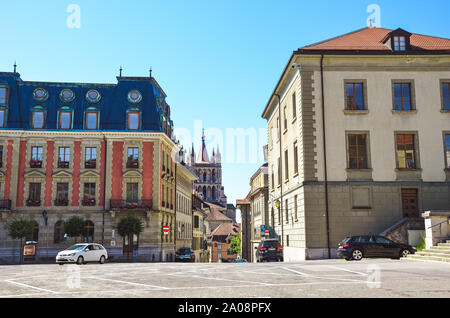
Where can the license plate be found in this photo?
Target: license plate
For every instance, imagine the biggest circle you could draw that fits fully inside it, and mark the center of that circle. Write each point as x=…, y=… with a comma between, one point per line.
x=271, y=249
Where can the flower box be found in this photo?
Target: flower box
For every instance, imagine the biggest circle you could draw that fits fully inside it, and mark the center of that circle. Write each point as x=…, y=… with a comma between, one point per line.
x=62, y=202
x=88, y=202
x=35, y=163
x=90, y=164
x=34, y=202
x=132, y=164
x=63, y=164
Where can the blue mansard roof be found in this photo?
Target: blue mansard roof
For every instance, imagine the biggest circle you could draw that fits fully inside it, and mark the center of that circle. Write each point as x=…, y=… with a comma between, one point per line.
x=112, y=107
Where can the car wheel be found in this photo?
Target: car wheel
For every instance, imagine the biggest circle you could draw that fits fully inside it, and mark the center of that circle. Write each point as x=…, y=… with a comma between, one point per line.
x=357, y=255
x=404, y=253
x=80, y=260
x=102, y=260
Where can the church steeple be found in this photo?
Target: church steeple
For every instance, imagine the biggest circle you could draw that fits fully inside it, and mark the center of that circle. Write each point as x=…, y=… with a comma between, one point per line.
x=203, y=154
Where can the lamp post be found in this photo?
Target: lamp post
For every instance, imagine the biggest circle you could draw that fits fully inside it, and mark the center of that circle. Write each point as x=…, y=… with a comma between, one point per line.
x=278, y=205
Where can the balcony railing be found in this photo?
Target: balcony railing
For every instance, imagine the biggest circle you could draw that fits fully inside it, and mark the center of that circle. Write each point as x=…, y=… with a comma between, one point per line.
x=124, y=204
x=88, y=202
x=34, y=202
x=62, y=202
x=35, y=163
x=1, y=164
x=5, y=204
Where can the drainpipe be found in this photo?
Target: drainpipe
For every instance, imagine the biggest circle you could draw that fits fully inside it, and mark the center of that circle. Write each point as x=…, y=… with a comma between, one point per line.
x=325, y=157
x=280, y=170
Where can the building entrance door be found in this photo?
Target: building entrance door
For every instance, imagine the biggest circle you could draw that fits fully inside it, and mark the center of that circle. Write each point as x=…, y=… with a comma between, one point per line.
x=130, y=242
x=410, y=203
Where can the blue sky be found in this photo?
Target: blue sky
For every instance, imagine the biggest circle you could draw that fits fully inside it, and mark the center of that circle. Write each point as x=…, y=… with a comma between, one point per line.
x=218, y=61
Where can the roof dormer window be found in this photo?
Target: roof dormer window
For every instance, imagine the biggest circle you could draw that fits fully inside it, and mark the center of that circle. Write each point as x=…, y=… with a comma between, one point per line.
x=399, y=43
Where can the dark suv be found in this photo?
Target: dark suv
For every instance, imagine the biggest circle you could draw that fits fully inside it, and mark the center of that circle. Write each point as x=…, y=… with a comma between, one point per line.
x=269, y=250
x=184, y=255
x=372, y=246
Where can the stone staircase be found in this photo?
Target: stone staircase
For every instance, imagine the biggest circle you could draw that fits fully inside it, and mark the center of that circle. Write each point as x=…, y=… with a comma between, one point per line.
x=440, y=253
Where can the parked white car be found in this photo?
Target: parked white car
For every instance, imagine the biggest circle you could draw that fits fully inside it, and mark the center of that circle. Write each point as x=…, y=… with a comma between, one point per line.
x=82, y=253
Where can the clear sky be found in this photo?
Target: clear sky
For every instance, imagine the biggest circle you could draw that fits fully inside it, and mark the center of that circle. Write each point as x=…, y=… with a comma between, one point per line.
x=218, y=61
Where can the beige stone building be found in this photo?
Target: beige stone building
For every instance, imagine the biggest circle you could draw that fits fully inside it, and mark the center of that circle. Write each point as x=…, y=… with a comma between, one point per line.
x=184, y=213
x=359, y=138
x=199, y=235
x=259, y=197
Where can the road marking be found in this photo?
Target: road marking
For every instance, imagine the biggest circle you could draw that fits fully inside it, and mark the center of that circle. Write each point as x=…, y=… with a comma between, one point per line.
x=230, y=280
x=32, y=287
x=297, y=272
x=347, y=270
x=129, y=283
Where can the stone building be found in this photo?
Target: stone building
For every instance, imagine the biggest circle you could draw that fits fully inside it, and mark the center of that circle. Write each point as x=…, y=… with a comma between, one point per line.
x=99, y=151
x=184, y=212
x=359, y=138
x=220, y=240
x=209, y=171
x=199, y=233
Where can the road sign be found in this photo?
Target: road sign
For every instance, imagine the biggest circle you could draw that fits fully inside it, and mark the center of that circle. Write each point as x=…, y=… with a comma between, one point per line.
x=166, y=229
x=263, y=228
x=266, y=231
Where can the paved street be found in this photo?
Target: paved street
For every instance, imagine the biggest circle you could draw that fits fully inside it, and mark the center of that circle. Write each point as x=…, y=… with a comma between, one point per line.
x=324, y=278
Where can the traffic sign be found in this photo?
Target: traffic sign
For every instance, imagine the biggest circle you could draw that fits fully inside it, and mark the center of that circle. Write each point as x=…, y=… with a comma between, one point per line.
x=263, y=228
x=166, y=229
x=266, y=231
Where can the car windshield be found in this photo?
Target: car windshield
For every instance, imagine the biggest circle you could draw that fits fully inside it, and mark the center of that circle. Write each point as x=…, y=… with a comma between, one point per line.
x=184, y=251
x=270, y=243
x=76, y=247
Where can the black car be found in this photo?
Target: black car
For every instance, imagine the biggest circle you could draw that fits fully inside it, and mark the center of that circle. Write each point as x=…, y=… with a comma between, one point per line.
x=269, y=250
x=184, y=255
x=372, y=246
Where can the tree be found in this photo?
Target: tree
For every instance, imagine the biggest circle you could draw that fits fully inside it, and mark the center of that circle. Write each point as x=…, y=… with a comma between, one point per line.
x=129, y=226
x=19, y=228
x=235, y=244
x=74, y=226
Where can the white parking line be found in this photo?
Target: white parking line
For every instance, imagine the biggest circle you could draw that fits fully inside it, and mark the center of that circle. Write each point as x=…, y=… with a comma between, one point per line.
x=347, y=270
x=32, y=287
x=297, y=272
x=129, y=283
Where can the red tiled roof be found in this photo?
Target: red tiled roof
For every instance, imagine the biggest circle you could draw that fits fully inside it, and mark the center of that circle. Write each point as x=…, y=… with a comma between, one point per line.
x=226, y=229
x=216, y=215
x=371, y=39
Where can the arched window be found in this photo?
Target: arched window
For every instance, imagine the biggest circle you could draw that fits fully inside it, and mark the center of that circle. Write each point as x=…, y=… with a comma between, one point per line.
x=65, y=115
x=204, y=192
x=88, y=232
x=91, y=118
x=213, y=176
x=213, y=193
x=38, y=115
x=59, y=236
x=204, y=176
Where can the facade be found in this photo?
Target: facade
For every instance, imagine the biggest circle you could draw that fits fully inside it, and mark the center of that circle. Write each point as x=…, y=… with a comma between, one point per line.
x=359, y=138
x=220, y=242
x=99, y=151
x=199, y=235
x=244, y=206
x=184, y=215
x=209, y=171
x=259, y=196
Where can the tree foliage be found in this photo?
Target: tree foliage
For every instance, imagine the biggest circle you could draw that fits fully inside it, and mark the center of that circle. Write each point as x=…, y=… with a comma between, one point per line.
x=129, y=225
x=74, y=226
x=19, y=228
x=235, y=244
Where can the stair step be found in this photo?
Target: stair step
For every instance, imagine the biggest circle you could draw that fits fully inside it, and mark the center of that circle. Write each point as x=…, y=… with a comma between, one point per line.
x=440, y=247
x=431, y=253
x=444, y=244
x=437, y=250
x=429, y=258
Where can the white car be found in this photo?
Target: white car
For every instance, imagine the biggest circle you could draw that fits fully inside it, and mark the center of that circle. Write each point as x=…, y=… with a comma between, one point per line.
x=82, y=253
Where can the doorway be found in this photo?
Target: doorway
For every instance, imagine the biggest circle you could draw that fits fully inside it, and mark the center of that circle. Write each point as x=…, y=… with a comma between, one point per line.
x=410, y=203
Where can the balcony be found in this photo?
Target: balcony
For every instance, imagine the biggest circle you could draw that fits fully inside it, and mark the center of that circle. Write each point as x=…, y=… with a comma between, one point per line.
x=61, y=202
x=129, y=205
x=88, y=202
x=63, y=164
x=34, y=202
x=90, y=164
x=5, y=204
x=133, y=164
x=35, y=163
